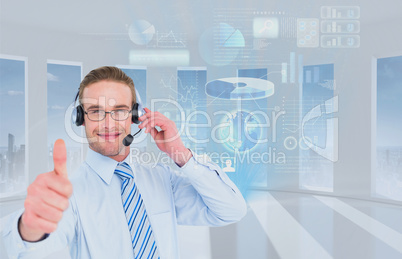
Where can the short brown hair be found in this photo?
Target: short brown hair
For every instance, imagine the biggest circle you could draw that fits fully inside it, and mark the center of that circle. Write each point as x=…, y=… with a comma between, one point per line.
x=107, y=73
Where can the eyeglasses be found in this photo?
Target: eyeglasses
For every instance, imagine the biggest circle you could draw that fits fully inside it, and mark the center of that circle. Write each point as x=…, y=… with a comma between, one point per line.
x=117, y=115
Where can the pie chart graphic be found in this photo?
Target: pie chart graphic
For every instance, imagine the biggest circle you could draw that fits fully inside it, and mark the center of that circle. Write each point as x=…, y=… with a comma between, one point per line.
x=221, y=44
x=240, y=88
x=141, y=32
x=230, y=37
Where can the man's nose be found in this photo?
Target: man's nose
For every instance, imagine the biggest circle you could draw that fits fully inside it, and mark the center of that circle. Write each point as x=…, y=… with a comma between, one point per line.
x=109, y=120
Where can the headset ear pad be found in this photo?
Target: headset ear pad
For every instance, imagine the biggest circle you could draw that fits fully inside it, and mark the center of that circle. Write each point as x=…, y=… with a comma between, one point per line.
x=134, y=114
x=79, y=119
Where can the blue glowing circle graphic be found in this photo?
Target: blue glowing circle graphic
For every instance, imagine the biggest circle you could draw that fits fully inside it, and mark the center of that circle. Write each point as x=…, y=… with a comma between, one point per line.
x=290, y=143
x=241, y=130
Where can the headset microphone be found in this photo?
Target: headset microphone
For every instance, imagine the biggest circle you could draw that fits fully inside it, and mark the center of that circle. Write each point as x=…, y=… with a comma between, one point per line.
x=129, y=139
x=137, y=112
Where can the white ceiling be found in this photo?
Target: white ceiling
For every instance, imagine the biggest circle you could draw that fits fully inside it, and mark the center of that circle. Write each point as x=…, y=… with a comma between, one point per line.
x=80, y=16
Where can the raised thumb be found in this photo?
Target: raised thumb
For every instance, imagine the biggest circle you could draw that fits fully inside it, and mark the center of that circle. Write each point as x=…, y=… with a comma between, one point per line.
x=60, y=157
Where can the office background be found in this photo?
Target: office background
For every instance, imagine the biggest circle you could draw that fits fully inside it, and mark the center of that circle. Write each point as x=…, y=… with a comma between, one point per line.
x=300, y=102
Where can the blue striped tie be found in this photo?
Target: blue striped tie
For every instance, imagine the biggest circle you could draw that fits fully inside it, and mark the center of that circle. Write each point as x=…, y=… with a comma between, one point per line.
x=143, y=240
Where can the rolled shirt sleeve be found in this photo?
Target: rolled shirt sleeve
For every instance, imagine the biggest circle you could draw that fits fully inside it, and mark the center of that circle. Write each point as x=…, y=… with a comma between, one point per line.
x=18, y=248
x=204, y=194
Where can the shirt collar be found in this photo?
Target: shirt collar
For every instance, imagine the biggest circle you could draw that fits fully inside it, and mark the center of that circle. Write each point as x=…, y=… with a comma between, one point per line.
x=102, y=165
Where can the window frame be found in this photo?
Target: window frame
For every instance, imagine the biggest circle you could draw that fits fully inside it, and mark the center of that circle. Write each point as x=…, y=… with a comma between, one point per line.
x=373, y=125
x=21, y=194
x=67, y=63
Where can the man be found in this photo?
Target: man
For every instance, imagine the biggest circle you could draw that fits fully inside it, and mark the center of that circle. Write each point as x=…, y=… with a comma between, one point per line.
x=110, y=208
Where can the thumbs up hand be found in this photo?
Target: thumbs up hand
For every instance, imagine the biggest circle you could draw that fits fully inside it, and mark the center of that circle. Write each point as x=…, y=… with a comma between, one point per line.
x=60, y=158
x=47, y=198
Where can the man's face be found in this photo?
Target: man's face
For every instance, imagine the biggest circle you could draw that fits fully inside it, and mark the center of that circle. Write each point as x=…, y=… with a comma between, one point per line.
x=106, y=136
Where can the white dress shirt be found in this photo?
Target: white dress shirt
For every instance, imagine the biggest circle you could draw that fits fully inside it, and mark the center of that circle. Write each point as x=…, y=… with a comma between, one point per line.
x=95, y=225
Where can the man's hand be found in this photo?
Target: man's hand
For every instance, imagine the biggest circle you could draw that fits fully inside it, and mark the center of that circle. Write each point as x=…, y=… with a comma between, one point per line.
x=47, y=198
x=168, y=139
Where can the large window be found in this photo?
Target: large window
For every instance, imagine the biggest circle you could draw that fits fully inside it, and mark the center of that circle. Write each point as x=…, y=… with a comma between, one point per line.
x=388, y=176
x=318, y=128
x=13, y=83
x=63, y=81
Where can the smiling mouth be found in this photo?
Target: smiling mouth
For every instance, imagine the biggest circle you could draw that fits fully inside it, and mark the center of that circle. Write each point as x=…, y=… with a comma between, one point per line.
x=109, y=136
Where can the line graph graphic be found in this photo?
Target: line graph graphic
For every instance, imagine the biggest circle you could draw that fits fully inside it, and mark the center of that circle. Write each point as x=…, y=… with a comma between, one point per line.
x=192, y=97
x=183, y=93
x=171, y=40
x=169, y=84
x=191, y=88
x=189, y=93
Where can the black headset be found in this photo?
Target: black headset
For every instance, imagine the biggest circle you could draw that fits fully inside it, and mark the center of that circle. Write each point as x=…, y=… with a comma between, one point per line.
x=78, y=112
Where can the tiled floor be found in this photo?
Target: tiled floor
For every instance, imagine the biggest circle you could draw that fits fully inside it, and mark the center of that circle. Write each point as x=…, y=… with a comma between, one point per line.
x=292, y=225
x=312, y=226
